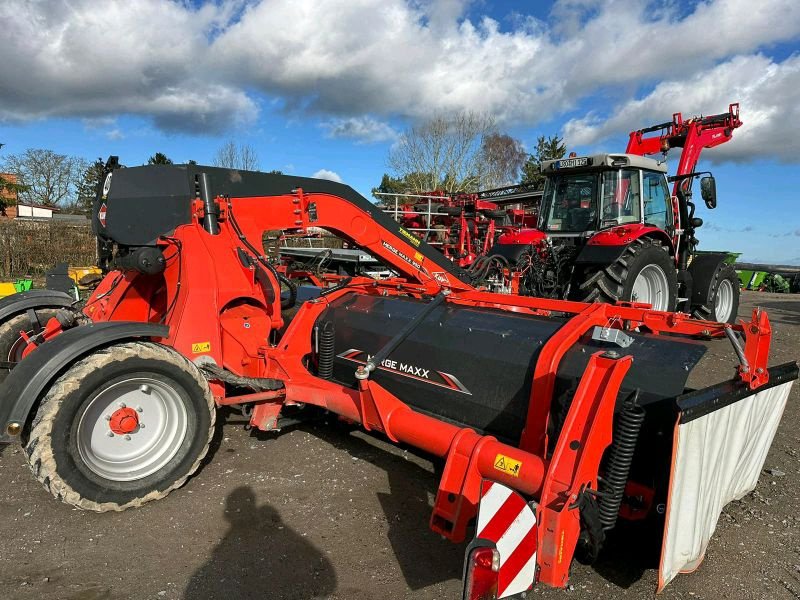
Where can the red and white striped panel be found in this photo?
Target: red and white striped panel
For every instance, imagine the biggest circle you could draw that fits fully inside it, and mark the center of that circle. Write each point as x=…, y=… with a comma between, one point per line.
x=507, y=520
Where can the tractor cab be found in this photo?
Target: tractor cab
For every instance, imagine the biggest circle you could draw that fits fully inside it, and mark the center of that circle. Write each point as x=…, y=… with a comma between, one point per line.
x=587, y=194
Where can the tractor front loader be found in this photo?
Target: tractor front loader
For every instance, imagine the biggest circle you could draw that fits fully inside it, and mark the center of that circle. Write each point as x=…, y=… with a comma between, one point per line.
x=554, y=418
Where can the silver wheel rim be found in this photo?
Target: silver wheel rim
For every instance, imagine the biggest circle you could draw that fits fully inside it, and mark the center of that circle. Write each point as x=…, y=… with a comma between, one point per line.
x=723, y=302
x=651, y=286
x=160, y=430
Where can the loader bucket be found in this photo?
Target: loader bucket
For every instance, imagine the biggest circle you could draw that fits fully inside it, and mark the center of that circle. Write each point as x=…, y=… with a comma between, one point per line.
x=721, y=439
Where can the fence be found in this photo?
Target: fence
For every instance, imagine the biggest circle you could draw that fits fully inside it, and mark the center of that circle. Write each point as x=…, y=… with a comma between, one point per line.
x=33, y=247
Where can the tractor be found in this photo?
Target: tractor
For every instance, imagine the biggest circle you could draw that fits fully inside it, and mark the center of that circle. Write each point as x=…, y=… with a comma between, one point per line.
x=609, y=229
x=552, y=419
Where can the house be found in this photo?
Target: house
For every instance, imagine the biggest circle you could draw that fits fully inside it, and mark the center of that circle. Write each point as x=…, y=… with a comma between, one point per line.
x=8, y=212
x=33, y=212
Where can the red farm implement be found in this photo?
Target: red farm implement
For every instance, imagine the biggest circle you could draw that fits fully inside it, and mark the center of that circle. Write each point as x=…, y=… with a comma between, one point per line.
x=554, y=418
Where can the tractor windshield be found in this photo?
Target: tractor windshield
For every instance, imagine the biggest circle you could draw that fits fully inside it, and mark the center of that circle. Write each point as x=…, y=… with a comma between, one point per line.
x=578, y=202
x=569, y=204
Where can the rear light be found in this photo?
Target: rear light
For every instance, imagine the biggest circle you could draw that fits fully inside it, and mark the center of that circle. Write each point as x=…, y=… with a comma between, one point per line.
x=481, y=581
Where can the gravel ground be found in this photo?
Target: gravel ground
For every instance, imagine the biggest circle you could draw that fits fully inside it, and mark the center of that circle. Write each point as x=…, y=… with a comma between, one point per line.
x=319, y=512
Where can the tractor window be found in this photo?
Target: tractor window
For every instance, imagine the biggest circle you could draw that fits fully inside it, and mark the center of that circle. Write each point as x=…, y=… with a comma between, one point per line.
x=657, y=201
x=569, y=204
x=620, y=197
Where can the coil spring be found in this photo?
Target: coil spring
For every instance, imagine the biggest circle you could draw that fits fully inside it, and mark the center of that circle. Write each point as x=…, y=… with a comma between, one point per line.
x=626, y=433
x=326, y=350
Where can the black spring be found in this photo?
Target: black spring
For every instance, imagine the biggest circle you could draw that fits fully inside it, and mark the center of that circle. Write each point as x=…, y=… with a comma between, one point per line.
x=326, y=350
x=626, y=432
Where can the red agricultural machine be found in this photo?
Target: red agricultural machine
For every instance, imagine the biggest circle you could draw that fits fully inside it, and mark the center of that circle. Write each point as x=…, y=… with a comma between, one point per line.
x=465, y=226
x=554, y=418
x=609, y=229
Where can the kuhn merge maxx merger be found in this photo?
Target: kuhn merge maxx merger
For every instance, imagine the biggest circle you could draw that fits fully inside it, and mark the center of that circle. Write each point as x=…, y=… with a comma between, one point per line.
x=554, y=418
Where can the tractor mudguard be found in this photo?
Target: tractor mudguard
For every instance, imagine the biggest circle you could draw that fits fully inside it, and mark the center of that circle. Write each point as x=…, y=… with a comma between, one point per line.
x=702, y=269
x=17, y=303
x=31, y=377
x=721, y=439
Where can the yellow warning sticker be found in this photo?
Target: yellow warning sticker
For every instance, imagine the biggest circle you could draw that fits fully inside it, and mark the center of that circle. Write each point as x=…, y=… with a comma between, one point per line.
x=199, y=347
x=419, y=257
x=507, y=465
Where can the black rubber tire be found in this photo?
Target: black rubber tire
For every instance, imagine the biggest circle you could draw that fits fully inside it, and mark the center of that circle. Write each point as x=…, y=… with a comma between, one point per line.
x=11, y=343
x=52, y=451
x=495, y=214
x=615, y=281
x=707, y=310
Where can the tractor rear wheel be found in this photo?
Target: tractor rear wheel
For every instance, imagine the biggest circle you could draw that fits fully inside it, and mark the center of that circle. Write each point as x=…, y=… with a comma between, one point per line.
x=126, y=425
x=12, y=344
x=643, y=273
x=721, y=295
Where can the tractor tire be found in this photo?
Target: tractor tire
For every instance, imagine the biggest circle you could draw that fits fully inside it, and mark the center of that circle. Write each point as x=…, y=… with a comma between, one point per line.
x=88, y=446
x=644, y=273
x=11, y=342
x=721, y=296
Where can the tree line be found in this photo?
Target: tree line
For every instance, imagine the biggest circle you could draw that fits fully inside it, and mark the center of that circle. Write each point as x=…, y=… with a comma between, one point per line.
x=461, y=154
x=47, y=178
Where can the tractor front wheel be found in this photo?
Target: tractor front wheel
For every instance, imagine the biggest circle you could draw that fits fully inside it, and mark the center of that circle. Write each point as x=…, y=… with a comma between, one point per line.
x=126, y=425
x=721, y=296
x=643, y=273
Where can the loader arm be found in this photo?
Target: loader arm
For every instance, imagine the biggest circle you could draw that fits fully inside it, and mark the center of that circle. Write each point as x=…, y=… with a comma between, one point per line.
x=693, y=135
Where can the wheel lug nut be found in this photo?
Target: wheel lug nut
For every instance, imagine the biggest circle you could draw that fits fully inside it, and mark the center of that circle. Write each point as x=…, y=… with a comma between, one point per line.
x=110, y=434
x=139, y=409
x=141, y=425
x=108, y=417
x=121, y=405
x=127, y=437
x=145, y=389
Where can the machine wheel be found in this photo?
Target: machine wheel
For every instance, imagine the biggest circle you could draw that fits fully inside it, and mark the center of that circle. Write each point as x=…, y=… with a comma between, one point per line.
x=11, y=342
x=722, y=296
x=126, y=425
x=644, y=273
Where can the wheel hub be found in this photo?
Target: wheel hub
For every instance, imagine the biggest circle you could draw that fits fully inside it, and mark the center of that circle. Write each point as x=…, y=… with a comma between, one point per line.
x=124, y=420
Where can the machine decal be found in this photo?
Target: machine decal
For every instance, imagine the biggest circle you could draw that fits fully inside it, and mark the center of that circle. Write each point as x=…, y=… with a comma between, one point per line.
x=199, y=347
x=508, y=465
x=399, y=254
x=101, y=214
x=440, y=276
x=415, y=241
x=507, y=521
x=437, y=378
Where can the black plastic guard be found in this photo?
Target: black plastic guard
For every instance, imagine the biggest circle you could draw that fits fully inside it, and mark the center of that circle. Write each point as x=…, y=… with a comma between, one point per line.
x=30, y=378
x=694, y=405
x=18, y=303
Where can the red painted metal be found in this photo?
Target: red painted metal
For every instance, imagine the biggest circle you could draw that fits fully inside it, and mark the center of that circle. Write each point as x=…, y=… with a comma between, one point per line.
x=585, y=435
x=123, y=420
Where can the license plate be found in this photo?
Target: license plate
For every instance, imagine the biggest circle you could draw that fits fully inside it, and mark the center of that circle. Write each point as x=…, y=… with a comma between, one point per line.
x=569, y=163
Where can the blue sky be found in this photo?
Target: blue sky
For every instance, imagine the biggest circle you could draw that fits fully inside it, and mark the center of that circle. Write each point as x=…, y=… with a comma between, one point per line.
x=325, y=85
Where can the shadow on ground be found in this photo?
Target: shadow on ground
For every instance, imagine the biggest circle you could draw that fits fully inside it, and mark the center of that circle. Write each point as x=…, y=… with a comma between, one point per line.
x=260, y=557
x=424, y=558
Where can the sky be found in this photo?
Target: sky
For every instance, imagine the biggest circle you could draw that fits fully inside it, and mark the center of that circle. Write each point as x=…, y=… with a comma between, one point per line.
x=324, y=87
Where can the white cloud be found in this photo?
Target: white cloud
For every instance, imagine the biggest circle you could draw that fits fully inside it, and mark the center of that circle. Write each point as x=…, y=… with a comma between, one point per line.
x=769, y=94
x=363, y=129
x=329, y=175
x=356, y=63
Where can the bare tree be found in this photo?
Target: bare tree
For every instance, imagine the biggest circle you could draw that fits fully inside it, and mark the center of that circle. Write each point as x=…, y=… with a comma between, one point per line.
x=443, y=153
x=502, y=157
x=48, y=178
x=233, y=156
